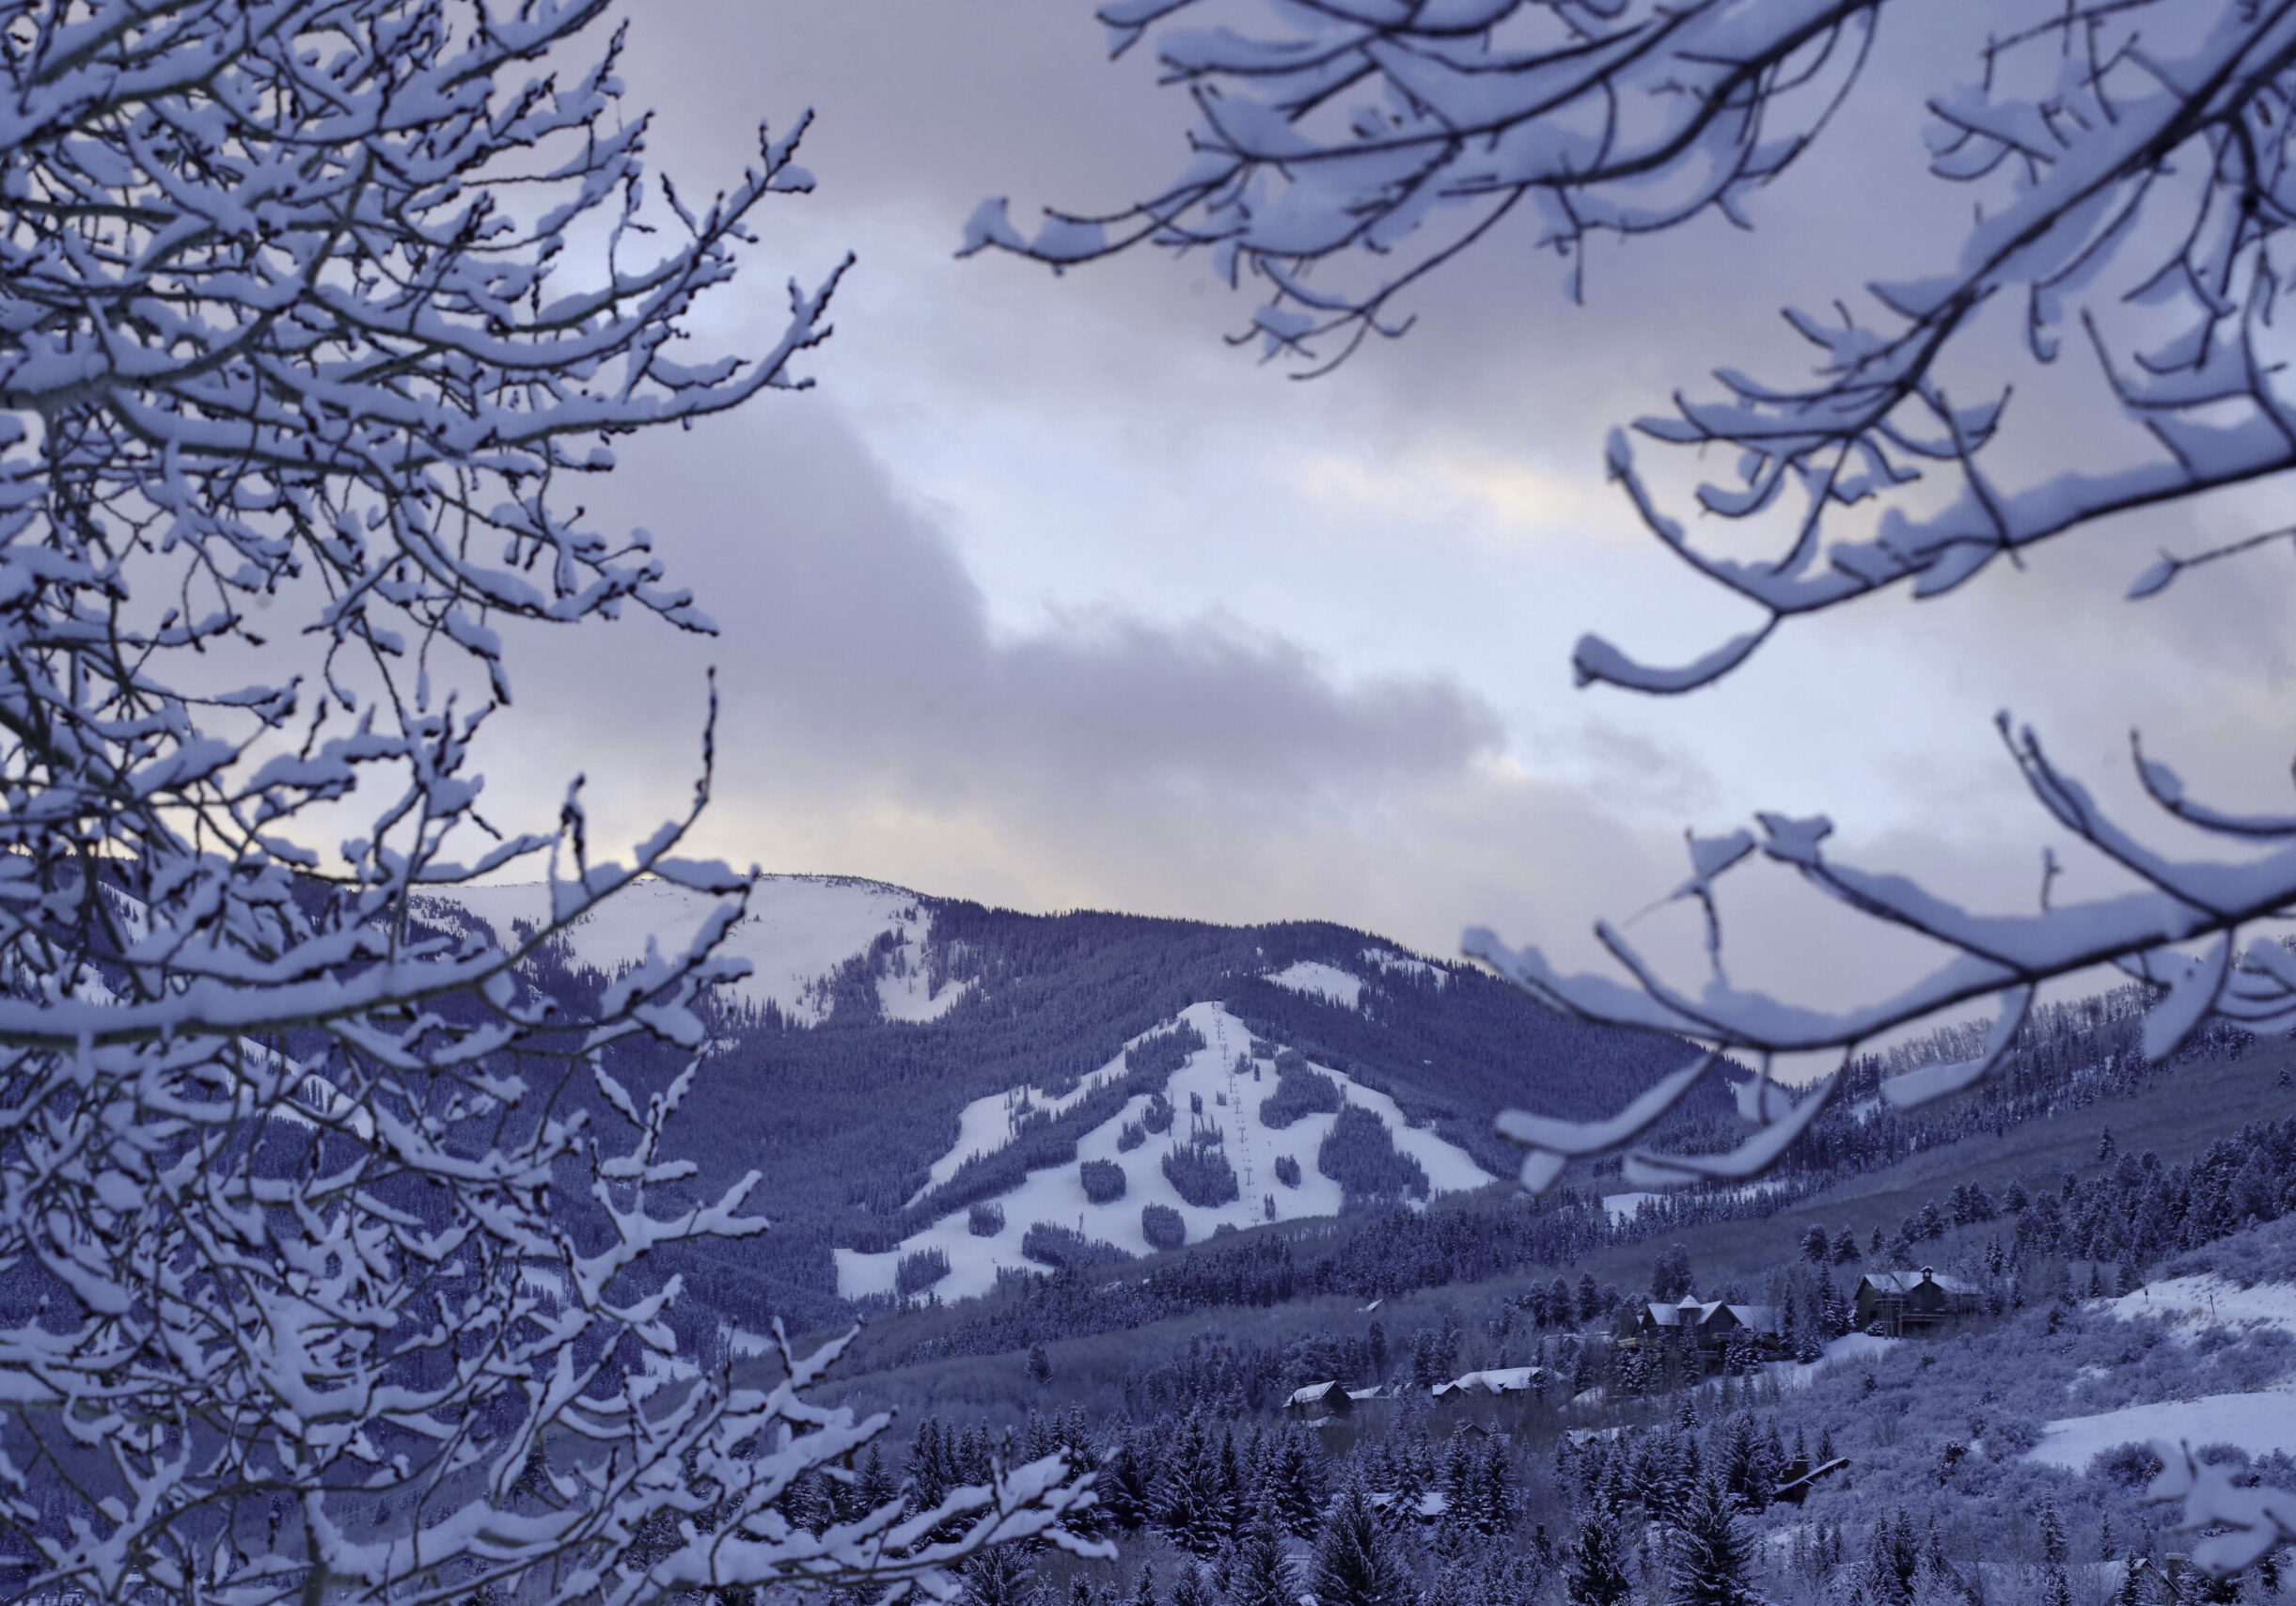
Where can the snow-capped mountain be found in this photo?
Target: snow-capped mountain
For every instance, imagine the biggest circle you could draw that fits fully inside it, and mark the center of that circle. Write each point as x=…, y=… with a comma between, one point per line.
x=895, y=1060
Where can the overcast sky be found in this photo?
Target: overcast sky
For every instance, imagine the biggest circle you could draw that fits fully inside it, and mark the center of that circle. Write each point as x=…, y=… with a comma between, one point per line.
x=1045, y=596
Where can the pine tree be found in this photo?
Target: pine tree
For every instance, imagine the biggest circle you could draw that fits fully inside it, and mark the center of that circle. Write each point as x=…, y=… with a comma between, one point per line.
x=1188, y=1492
x=1263, y=1574
x=926, y=1471
x=1496, y=1511
x=876, y=1486
x=1230, y=1513
x=996, y=1578
x=1190, y=1590
x=1355, y=1562
x=1144, y=1592
x=2053, y=1532
x=1737, y=1463
x=1462, y=1490
x=1711, y=1555
x=1891, y=1561
x=1125, y=1487
x=1596, y=1570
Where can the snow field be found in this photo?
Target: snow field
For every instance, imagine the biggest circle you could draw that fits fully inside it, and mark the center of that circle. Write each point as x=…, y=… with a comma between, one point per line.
x=798, y=931
x=1317, y=980
x=2257, y=1422
x=1057, y=1195
x=2188, y=1304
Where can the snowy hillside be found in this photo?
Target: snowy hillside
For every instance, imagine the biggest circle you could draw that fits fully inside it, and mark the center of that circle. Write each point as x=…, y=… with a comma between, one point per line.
x=1056, y=1196
x=2210, y=1312
x=799, y=931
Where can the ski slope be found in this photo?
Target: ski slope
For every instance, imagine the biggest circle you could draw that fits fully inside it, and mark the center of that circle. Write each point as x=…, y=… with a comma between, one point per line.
x=1317, y=979
x=1056, y=1195
x=798, y=932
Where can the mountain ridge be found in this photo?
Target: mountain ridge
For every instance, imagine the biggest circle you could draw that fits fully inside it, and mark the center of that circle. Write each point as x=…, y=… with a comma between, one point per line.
x=876, y=1014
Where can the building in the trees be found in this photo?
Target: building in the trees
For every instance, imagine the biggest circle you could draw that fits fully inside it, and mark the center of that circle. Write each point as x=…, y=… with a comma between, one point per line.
x=1708, y=1327
x=1503, y=1380
x=1320, y=1400
x=1913, y=1301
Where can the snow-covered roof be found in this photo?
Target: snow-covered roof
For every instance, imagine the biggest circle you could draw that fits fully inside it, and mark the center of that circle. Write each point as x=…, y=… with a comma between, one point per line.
x=1690, y=1312
x=1906, y=1282
x=1312, y=1394
x=1499, y=1381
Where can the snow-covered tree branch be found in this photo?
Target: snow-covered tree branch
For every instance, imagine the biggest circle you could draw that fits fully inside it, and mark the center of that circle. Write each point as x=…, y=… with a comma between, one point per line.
x=311, y=1287
x=2127, y=167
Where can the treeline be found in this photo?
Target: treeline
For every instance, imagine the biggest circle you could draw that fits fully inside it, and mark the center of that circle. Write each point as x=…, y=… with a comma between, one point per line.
x=1377, y=1259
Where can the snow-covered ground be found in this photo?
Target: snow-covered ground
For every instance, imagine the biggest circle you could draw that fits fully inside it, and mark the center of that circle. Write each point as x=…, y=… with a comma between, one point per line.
x=2188, y=1304
x=798, y=931
x=1318, y=980
x=1057, y=1195
x=1850, y=1347
x=2257, y=1422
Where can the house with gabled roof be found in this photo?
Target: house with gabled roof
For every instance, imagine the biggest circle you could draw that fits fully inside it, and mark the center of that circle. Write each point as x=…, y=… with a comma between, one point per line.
x=1905, y=1302
x=1706, y=1325
x=1318, y=1400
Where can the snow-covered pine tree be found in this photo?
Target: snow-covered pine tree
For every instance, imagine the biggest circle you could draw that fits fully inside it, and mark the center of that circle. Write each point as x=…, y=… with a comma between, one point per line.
x=1127, y=1487
x=1500, y=1507
x=1893, y=1555
x=1190, y=1589
x=1229, y=1511
x=998, y=1578
x=1355, y=1562
x=309, y=312
x=1298, y=1487
x=1187, y=1495
x=1263, y=1572
x=1595, y=1570
x=1712, y=1556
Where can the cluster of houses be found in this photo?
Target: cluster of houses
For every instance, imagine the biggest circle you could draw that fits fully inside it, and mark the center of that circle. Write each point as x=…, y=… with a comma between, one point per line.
x=1894, y=1304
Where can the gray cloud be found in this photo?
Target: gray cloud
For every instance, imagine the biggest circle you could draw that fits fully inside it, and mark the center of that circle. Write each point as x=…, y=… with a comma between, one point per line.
x=869, y=708
x=1110, y=665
